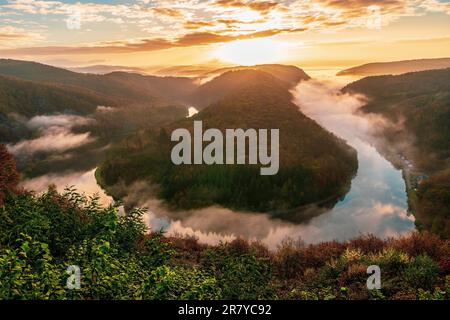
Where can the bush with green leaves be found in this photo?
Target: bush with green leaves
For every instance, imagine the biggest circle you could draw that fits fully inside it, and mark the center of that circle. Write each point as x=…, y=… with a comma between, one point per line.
x=29, y=272
x=118, y=258
x=239, y=275
x=173, y=283
x=422, y=272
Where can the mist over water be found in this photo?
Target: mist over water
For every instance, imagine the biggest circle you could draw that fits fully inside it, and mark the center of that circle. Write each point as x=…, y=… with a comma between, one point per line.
x=54, y=134
x=376, y=202
x=84, y=182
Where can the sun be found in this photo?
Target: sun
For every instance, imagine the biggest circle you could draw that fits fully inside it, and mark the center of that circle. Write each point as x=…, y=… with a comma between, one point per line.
x=250, y=52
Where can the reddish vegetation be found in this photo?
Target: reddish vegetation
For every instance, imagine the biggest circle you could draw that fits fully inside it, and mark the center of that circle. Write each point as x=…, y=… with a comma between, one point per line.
x=9, y=177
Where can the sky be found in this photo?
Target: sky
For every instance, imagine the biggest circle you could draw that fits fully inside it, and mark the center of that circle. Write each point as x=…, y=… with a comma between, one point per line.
x=146, y=33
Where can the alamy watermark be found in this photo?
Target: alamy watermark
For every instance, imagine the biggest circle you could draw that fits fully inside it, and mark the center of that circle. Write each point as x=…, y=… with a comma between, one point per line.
x=235, y=140
x=374, y=281
x=74, y=279
x=374, y=17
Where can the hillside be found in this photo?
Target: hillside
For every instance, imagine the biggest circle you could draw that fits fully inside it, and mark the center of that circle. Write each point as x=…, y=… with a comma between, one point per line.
x=285, y=73
x=419, y=106
x=396, y=67
x=314, y=164
x=9, y=177
x=420, y=101
x=21, y=99
x=231, y=80
x=125, y=87
x=105, y=119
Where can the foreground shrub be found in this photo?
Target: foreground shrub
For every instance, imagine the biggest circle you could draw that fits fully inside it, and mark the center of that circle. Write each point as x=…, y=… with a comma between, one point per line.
x=104, y=273
x=422, y=272
x=390, y=260
x=171, y=283
x=29, y=272
x=240, y=276
x=41, y=236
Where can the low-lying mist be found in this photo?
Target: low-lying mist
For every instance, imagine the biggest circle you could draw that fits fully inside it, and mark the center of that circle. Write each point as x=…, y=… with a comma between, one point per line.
x=53, y=134
x=84, y=182
x=375, y=204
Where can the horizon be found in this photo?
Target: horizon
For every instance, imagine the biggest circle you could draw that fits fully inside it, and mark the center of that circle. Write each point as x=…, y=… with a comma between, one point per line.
x=218, y=33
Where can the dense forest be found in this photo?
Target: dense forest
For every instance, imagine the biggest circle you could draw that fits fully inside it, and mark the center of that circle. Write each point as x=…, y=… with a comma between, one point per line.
x=118, y=258
x=418, y=105
x=314, y=164
x=232, y=80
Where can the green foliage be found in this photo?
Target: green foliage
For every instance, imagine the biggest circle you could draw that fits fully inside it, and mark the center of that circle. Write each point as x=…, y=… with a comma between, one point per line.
x=239, y=275
x=173, y=283
x=155, y=252
x=29, y=272
x=422, y=272
x=434, y=203
x=105, y=273
x=389, y=259
x=41, y=236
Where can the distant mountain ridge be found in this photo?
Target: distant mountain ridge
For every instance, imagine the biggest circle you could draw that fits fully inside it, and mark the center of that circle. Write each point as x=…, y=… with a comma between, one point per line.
x=121, y=86
x=104, y=69
x=136, y=88
x=285, y=73
x=396, y=67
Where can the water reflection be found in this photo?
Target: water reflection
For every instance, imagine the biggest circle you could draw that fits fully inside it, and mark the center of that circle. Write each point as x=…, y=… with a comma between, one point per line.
x=376, y=203
x=84, y=182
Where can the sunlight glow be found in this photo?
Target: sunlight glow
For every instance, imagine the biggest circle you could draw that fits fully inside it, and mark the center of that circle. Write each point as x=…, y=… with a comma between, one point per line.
x=250, y=52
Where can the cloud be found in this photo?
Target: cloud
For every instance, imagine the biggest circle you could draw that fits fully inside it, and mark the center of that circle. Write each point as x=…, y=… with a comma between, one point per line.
x=144, y=45
x=260, y=6
x=214, y=21
x=169, y=12
x=362, y=214
x=15, y=36
x=51, y=140
x=62, y=120
x=54, y=135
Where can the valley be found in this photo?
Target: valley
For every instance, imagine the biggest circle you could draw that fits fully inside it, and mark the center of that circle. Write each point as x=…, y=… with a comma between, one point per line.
x=182, y=156
x=121, y=139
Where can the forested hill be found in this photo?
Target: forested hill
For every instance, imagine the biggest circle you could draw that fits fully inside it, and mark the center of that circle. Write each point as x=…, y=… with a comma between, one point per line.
x=285, y=73
x=419, y=106
x=133, y=88
x=235, y=79
x=28, y=98
x=420, y=103
x=21, y=100
x=125, y=87
x=314, y=164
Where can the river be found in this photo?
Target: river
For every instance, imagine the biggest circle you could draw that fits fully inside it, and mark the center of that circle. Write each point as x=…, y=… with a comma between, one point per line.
x=376, y=202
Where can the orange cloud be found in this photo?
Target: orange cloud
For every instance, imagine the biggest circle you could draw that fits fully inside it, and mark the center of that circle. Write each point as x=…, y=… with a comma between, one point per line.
x=260, y=6
x=169, y=12
x=187, y=40
x=12, y=35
